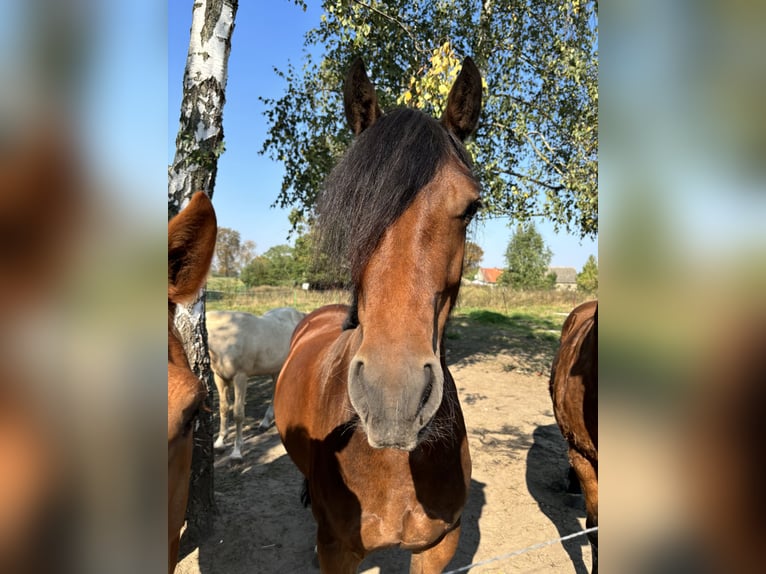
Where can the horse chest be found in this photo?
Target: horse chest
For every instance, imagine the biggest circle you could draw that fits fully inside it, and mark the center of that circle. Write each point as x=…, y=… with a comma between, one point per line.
x=406, y=525
x=390, y=513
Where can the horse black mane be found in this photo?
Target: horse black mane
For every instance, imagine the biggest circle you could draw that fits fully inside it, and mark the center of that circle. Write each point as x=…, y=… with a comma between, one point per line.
x=375, y=182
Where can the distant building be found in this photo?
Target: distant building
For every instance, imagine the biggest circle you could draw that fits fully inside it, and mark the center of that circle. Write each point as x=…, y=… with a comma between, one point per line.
x=487, y=275
x=566, y=278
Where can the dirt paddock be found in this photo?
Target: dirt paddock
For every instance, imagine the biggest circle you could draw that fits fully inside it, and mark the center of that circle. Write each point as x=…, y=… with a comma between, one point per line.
x=518, y=492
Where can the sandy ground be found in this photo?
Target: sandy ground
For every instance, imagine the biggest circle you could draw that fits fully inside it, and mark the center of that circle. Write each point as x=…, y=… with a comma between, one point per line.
x=518, y=489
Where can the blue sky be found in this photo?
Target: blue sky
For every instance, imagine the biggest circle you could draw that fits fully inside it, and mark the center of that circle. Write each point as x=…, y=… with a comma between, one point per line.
x=268, y=34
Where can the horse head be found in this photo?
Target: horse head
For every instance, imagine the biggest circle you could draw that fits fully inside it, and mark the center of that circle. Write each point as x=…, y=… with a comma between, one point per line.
x=413, y=197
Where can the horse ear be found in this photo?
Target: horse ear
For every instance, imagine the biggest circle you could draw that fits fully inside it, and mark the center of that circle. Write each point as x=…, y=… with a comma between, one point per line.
x=461, y=115
x=359, y=99
x=191, y=243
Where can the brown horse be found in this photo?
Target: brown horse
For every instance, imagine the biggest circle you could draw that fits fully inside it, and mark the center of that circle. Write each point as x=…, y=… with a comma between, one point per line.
x=42, y=202
x=365, y=405
x=574, y=390
x=191, y=241
x=723, y=438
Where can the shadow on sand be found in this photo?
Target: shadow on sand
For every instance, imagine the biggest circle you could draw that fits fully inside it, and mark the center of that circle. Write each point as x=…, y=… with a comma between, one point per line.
x=562, y=508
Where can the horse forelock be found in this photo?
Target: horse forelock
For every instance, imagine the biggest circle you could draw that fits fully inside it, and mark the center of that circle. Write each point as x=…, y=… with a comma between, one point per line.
x=377, y=180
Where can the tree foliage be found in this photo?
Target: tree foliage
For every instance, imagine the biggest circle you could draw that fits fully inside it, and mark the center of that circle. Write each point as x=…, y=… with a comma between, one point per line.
x=285, y=265
x=277, y=266
x=536, y=146
x=256, y=272
x=472, y=259
x=587, y=279
x=314, y=266
x=231, y=253
x=528, y=259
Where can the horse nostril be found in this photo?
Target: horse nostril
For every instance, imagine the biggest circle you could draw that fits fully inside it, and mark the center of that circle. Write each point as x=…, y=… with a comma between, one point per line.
x=359, y=370
x=358, y=391
x=429, y=386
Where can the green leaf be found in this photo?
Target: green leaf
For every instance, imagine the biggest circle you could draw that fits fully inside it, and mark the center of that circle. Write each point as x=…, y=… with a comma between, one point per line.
x=536, y=149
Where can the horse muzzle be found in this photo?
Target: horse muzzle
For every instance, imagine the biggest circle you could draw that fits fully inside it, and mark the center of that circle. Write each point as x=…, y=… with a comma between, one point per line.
x=395, y=402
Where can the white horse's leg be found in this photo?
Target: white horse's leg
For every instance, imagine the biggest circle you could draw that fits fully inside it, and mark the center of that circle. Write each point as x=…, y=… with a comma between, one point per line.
x=268, y=418
x=240, y=393
x=223, y=403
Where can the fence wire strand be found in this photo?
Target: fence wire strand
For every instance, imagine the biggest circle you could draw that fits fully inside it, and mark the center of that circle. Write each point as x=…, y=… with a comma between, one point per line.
x=522, y=551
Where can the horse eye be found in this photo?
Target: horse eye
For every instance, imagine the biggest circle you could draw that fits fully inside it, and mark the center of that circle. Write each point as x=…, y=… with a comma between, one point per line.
x=471, y=210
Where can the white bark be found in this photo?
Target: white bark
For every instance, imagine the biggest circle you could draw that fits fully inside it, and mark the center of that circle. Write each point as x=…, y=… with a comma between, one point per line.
x=200, y=135
x=198, y=144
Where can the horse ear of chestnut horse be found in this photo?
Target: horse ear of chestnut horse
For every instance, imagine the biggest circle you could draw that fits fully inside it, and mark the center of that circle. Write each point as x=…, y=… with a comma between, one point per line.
x=191, y=243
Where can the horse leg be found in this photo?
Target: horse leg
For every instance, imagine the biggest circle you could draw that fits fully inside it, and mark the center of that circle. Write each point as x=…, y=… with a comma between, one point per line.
x=335, y=558
x=573, y=482
x=173, y=553
x=435, y=559
x=223, y=408
x=240, y=393
x=268, y=418
x=589, y=483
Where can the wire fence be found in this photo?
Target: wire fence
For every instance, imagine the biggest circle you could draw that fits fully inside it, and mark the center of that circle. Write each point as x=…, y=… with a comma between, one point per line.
x=235, y=296
x=515, y=553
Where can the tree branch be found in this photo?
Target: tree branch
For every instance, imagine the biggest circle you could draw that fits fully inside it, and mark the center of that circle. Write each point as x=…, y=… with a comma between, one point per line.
x=541, y=155
x=533, y=180
x=395, y=21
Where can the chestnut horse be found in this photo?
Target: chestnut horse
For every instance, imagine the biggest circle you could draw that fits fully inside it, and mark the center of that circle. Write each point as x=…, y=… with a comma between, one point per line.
x=574, y=390
x=191, y=241
x=365, y=405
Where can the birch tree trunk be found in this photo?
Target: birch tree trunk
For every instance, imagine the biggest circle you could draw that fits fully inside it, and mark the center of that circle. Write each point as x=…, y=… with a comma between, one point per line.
x=198, y=145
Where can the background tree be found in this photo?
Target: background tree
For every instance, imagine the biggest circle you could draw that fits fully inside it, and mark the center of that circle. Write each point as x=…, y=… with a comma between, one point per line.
x=587, y=279
x=227, y=246
x=537, y=142
x=472, y=259
x=198, y=144
x=528, y=260
x=282, y=267
x=277, y=266
x=246, y=254
x=312, y=266
x=231, y=253
x=256, y=272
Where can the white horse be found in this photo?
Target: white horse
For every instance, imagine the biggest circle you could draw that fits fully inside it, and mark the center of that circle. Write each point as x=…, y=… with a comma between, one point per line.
x=241, y=346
